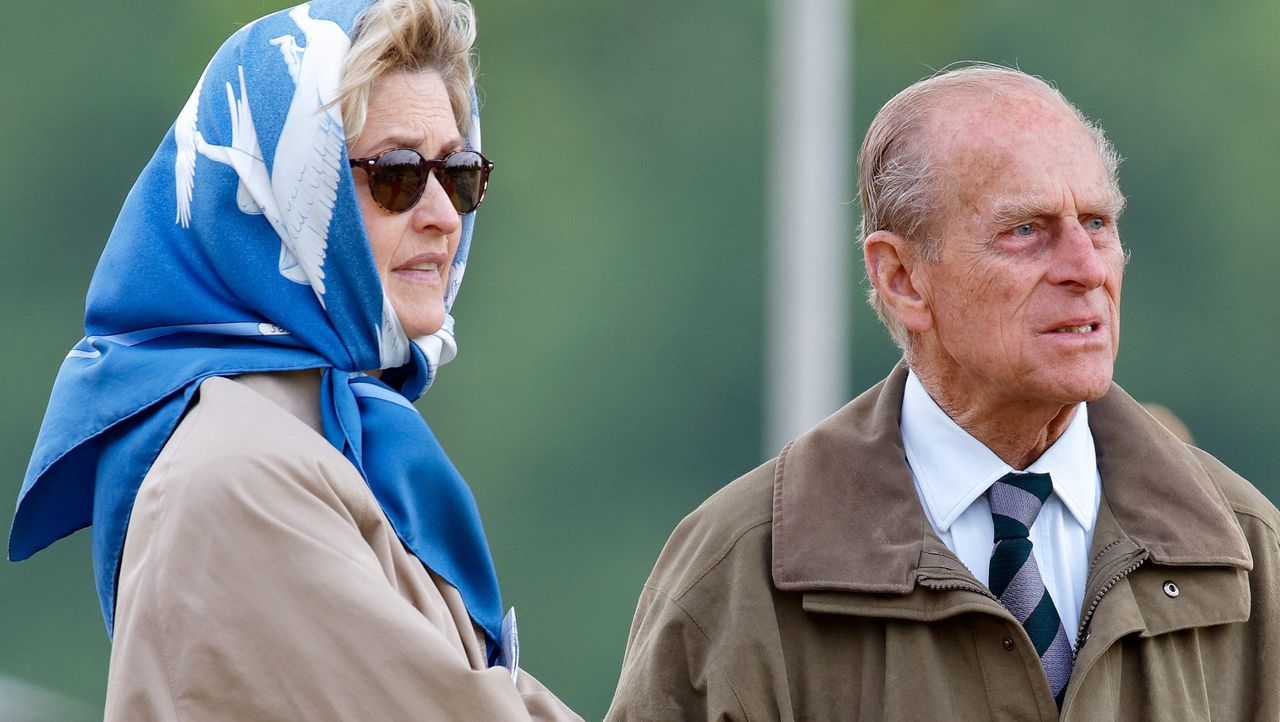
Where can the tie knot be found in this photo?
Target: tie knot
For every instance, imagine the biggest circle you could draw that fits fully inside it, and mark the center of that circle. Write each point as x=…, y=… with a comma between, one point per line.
x=1015, y=501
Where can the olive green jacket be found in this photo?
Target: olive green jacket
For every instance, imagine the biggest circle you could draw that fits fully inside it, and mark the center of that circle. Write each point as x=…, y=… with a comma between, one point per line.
x=813, y=588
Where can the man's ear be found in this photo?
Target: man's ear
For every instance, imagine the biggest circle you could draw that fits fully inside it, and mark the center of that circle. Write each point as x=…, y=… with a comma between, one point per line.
x=890, y=266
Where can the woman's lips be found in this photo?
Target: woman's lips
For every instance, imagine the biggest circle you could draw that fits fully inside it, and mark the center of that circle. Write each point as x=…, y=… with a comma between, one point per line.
x=422, y=269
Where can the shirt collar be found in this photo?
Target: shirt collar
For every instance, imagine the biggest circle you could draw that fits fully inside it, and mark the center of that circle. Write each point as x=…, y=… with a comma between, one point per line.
x=952, y=468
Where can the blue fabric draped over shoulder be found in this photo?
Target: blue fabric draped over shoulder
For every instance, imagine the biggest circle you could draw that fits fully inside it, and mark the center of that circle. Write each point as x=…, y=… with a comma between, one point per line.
x=241, y=249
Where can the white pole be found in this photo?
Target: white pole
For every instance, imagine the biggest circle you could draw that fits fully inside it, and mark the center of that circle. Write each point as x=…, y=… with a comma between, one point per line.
x=810, y=216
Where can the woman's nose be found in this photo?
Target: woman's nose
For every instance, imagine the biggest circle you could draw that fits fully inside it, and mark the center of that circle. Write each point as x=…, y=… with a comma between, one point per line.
x=435, y=209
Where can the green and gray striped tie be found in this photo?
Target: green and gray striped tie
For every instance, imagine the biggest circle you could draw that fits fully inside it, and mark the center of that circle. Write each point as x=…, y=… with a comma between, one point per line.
x=1015, y=578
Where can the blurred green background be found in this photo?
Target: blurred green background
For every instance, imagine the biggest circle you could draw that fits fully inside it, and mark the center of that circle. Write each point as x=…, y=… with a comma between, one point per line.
x=611, y=325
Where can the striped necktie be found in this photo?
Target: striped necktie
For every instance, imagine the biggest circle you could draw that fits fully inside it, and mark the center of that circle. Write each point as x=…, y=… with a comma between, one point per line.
x=1015, y=578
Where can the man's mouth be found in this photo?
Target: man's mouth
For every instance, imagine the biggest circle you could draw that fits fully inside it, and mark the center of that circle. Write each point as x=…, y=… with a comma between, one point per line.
x=1082, y=328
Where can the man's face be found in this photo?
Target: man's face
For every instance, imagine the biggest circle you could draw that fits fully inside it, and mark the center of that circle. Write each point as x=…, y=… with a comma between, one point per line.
x=1025, y=294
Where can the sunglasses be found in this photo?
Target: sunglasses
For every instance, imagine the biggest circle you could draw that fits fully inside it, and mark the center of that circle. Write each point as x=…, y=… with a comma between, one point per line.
x=398, y=177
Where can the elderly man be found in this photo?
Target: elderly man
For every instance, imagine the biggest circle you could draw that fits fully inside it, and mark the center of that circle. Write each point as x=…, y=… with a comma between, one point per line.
x=995, y=531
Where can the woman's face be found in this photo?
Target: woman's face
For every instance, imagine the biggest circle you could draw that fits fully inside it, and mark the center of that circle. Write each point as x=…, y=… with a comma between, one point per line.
x=412, y=250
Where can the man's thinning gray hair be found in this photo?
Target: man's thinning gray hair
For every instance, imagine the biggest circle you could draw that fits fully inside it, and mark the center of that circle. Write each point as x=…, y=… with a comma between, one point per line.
x=899, y=184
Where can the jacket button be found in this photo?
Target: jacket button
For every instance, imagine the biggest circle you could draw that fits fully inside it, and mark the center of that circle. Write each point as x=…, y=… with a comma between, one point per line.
x=1171, y=590
x=1007, y=643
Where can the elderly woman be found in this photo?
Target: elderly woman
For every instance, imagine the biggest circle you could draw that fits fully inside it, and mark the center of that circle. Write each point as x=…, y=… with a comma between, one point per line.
x=276, y=532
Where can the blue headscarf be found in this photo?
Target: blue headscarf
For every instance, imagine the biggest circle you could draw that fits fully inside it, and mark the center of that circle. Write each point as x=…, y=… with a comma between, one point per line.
x=241, y=249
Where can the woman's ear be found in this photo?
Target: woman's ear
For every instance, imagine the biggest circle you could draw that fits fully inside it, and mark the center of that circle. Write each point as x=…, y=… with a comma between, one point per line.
x=892, y=270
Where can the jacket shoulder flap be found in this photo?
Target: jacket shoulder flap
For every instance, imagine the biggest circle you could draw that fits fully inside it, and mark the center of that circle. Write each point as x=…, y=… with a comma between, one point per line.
x=733, y=522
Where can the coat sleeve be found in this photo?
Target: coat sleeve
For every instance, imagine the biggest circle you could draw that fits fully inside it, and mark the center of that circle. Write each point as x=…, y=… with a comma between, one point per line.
x=669, y=671
x=251, y=588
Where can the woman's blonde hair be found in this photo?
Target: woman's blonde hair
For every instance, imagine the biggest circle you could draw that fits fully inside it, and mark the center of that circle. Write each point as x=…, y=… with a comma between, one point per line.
x=391, y=36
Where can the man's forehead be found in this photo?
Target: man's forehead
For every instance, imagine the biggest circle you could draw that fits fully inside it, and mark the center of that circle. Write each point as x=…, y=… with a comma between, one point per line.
x=981, y=122
x=1016, y=149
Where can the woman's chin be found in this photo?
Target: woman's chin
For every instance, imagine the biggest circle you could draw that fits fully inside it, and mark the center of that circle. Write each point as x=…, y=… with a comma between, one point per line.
x=422, y=324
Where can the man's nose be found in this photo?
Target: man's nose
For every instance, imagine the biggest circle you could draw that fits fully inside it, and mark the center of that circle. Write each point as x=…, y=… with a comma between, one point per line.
x=1078, y=260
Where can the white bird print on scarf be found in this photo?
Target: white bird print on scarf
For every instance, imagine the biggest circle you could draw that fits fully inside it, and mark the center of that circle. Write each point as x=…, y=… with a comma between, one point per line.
x=298, y=196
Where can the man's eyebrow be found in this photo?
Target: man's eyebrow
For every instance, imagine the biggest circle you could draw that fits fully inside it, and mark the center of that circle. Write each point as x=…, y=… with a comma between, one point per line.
x=1018, y=208
x=1026, y=207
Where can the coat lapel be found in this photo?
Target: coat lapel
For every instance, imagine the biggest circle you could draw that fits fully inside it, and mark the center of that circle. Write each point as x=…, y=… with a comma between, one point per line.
x=845, y=512
x=1162, y=497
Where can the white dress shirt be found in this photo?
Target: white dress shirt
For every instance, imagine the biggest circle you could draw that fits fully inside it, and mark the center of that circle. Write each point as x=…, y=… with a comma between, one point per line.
x=953, y=470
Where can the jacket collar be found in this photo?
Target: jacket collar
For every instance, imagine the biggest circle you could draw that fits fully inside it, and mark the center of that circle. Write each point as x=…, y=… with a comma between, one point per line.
x=846, y=516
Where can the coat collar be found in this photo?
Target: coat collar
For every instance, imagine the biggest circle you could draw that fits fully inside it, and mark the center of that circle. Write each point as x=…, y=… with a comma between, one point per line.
x=846, y=516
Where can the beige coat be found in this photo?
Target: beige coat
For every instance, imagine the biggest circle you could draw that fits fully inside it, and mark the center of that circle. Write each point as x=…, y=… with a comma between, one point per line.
x=261, y=581
x=813, y=588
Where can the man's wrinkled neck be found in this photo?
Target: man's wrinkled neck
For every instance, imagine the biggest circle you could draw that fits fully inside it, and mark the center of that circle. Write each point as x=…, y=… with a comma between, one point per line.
x=1018, y=431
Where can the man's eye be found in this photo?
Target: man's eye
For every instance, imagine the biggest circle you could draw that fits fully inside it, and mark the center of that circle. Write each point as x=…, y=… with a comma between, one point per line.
x=1026, y=229
x=1094, y=224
